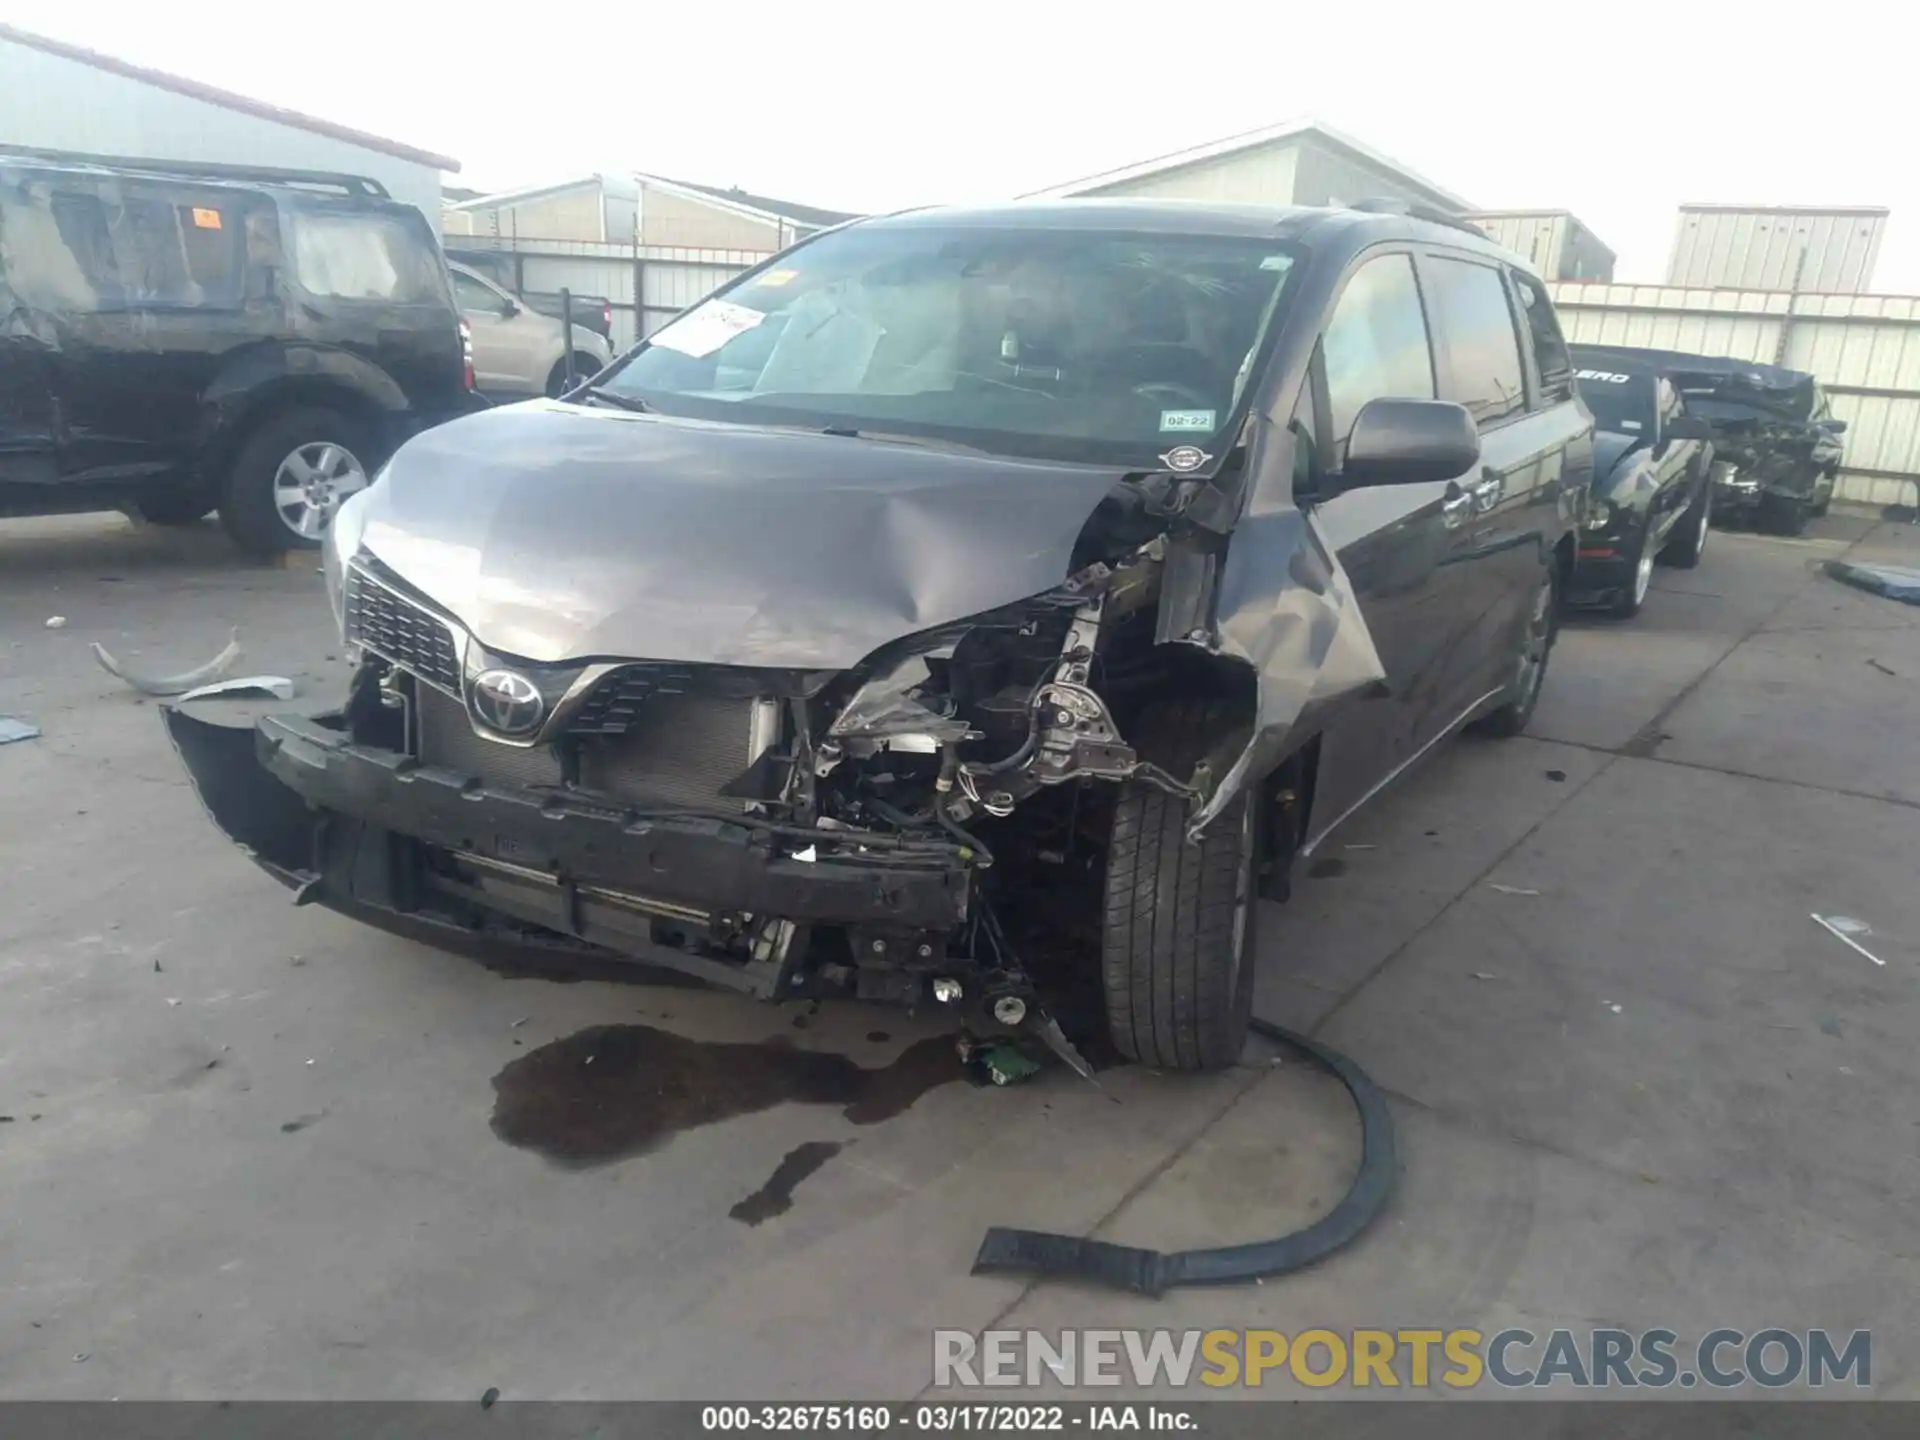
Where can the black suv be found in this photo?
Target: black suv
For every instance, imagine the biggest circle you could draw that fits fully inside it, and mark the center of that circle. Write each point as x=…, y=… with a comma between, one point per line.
x=176, y=339
x=960, y=605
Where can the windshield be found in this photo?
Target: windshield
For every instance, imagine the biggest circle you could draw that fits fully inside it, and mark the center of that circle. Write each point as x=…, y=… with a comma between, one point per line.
x=1078, y=345
x=1621, y=401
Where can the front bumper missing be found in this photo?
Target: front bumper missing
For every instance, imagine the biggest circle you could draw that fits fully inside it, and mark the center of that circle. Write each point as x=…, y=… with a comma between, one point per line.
x=350, y=826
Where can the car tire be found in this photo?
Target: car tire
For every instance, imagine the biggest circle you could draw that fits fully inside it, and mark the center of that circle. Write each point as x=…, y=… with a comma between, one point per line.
x=1177, y=939
x=290, y=476
x=1633, y=594
x=1689, y=540
x=583, y=366
x=1532, y=651
x=1781, y=514
x=173, y=507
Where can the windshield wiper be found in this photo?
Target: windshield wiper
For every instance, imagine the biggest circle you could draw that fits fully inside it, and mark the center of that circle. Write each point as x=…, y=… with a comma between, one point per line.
x=622, y=402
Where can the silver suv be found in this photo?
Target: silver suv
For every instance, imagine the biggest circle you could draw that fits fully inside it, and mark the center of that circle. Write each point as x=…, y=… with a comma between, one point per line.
x=516, y=350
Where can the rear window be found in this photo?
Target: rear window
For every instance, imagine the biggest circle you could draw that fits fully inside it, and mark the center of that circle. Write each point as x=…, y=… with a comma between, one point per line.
x=118, y=246
x=1623, y=401
x=363, y=255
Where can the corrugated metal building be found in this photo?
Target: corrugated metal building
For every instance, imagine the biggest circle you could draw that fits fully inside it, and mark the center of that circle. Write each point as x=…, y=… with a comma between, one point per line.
x=1298, y=163
x=1807, y=249
x=620, y=209
x=1554, y=242
x=56, y=96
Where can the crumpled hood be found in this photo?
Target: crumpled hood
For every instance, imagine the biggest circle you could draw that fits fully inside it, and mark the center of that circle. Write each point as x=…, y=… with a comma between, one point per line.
x=558, y=533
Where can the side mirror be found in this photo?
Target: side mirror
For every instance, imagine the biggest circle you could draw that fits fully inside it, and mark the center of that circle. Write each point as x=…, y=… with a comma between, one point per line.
x=1688, y=427
x=1409, y=442
x=514, y=307
x=1834, y=427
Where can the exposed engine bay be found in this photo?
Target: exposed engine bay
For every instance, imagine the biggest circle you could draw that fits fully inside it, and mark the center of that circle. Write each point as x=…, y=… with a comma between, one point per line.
x=978, y=746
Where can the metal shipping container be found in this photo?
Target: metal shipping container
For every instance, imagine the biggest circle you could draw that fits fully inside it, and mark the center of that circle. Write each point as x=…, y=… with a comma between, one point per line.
x=1814, y=251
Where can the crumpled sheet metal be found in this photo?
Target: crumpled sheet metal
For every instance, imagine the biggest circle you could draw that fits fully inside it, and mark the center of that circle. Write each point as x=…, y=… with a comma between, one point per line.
x=1893, y=582
x=1286, y=607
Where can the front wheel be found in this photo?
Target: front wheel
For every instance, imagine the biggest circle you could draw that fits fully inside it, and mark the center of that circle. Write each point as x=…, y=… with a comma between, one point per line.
x=1782, y=514
x=1690, y=535
x=1633, y=594
x=1177, y=940
x=1529, y=666
x=584, y=367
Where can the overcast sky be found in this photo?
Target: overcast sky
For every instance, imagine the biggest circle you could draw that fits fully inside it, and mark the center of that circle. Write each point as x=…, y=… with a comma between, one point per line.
x=1617, y=112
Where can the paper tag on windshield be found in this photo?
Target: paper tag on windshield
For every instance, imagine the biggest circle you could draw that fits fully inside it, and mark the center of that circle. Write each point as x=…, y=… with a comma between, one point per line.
x=701, y=332
x=1181, y=421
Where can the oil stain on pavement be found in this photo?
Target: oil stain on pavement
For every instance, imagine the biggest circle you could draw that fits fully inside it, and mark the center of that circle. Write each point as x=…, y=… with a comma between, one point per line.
x=776, y=1196
x=615, y=1091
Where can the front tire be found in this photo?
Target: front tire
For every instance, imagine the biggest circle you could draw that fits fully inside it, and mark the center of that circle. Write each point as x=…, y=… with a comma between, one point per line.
x=1531, y=654
x=290, y=477
x=1690, y=535
x=1177, y=942
x=1782, y=514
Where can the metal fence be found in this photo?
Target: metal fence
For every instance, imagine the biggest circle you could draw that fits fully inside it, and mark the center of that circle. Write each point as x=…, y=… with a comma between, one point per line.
x=1865, y=350
x=647, y=285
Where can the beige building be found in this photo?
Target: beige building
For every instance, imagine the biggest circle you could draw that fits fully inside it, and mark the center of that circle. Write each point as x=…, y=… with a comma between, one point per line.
x=620, y=209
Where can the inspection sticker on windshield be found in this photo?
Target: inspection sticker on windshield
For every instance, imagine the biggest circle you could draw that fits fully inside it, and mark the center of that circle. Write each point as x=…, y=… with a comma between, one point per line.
x=776, y=277
x=703, y=331
x=1185, y=420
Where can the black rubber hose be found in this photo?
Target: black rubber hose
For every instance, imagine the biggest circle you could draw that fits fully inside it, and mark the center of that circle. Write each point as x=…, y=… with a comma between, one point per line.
x=1152, y=1272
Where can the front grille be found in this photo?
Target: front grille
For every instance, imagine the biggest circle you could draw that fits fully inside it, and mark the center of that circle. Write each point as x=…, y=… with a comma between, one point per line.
x=676, y=750
x=614, y=705
x=447, y=739
x=401, y=630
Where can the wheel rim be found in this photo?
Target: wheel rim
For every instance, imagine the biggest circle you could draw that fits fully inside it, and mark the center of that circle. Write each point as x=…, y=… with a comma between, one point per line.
x=312, y=483
x=1706, y=517
x=1643, y=573
x=1533, y=654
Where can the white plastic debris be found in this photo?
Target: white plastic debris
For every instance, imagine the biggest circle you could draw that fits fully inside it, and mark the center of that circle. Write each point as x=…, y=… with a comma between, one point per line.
x=1843, y=928
x=1511, y=890
x=277, y=687
x=809, y=855
x=1616, y=1009
x=12, y=730
x=163, y=685
x=1485, y=975
x=56, y=622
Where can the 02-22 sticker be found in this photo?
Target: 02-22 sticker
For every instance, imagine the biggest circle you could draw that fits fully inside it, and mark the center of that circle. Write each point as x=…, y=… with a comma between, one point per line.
x=1186, y=422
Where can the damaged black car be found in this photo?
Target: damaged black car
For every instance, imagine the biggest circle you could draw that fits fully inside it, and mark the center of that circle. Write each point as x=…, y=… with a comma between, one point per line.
x=965, y=608
x=1652, y=484
x=1773, y=432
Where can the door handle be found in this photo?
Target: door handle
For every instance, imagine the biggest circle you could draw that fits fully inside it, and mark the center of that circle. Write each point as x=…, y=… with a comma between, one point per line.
x=1455, y=510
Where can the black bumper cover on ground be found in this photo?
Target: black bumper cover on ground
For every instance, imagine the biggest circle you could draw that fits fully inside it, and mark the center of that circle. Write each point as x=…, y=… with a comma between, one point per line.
x=278, y=787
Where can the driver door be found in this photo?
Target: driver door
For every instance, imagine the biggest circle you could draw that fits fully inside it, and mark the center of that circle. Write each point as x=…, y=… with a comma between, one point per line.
x=1394, y=542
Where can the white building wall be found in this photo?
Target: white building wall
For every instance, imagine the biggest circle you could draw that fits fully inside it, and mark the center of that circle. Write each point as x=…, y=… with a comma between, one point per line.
x=50, y=102
x=1261, y=176
x=1325, y=175
x=1760, y=249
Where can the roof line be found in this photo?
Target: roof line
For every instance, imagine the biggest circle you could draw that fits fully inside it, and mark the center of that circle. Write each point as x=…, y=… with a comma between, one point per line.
x=1233, y=144
x=1879, y=210
x=688, y=192
x=212, y=95
x=489, y=199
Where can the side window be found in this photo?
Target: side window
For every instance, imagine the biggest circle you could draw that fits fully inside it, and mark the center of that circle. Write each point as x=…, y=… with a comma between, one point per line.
x=1375, y=347
x=1476, y=326
x=146, y=250
x=1549, y=346
x=474, y=297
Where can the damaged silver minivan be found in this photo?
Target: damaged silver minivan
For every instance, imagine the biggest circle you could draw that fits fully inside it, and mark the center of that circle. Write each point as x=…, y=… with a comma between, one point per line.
x=959, y=608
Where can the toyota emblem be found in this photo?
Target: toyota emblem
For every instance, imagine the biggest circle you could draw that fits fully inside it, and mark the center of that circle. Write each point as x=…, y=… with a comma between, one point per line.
x=508, y=701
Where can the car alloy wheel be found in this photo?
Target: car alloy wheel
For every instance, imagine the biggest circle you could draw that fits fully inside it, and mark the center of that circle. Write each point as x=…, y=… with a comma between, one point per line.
x=1539, y=639
x=1706, y=520
x=1642, y=575
x=312, y=483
